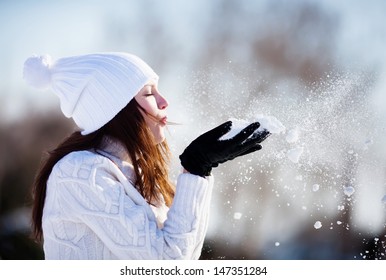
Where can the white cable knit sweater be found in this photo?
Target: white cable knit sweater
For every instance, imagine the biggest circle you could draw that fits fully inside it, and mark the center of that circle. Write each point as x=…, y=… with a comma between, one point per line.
x=93, y=211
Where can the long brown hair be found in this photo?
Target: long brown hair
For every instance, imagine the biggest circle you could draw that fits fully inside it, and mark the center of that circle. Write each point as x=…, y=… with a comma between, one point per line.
x=150, y=161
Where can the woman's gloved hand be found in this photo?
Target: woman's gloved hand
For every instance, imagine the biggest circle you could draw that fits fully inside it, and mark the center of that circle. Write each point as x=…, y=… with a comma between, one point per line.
x=208, y=151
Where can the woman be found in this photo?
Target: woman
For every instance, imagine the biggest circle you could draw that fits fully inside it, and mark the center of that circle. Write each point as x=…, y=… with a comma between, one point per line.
x=104, y=193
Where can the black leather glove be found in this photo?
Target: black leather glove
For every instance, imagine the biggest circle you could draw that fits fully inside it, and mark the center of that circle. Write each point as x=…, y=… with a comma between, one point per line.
x=207, y=151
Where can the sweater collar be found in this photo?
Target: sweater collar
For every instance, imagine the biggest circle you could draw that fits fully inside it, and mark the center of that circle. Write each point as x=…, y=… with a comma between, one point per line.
x=114, y=150
x=117, y=153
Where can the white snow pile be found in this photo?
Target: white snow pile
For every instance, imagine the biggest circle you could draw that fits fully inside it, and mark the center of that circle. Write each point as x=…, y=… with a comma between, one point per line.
x=315, y=187
x=274, y=126
x=348, y=190
x=317, y=225
x=237, y=215
x=294, y=154
x=269, y=123
x=293, y=135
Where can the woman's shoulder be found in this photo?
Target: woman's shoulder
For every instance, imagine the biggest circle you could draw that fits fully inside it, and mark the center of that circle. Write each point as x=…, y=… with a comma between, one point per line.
x=82, y=157
x=77, y=163
x=86, y=180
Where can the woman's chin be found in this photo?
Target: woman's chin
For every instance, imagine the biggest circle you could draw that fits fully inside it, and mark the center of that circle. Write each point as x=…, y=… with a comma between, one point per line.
x=159, y=138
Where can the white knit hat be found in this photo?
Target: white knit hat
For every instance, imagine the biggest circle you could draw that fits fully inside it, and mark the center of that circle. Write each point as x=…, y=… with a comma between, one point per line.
x=92, y=88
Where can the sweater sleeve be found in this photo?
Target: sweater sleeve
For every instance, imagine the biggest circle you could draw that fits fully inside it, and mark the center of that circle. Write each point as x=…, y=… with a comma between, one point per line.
x=97, y=196
x=187, y=221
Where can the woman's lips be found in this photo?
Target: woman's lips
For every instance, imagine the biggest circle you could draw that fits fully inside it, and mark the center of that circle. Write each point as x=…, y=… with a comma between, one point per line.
x=164, y=120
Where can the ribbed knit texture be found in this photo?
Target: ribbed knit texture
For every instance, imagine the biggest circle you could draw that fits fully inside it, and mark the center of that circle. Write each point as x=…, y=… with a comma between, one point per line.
x=93, y=211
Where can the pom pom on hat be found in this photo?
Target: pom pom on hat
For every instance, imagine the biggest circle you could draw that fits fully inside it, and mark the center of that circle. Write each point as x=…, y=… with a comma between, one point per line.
x=37, y=72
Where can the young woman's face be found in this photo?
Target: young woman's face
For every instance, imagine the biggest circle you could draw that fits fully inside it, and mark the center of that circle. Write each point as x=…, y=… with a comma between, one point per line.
x=151, y=100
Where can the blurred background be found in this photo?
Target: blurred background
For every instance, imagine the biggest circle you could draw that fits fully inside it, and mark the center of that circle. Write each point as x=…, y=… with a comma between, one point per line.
x=315, y=191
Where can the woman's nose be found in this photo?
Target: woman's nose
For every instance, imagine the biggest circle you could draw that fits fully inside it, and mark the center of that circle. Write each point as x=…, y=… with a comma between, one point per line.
x=162, y=102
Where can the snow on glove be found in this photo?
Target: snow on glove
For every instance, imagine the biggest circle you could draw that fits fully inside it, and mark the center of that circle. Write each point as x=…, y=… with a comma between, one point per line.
x=208, y=151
